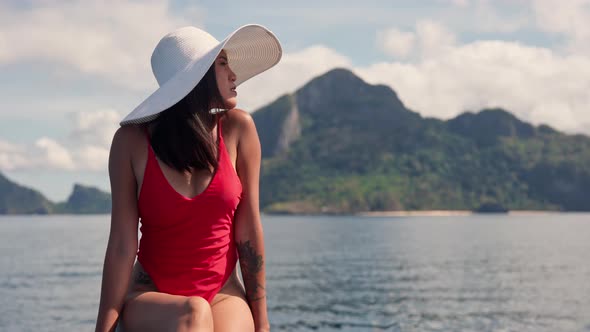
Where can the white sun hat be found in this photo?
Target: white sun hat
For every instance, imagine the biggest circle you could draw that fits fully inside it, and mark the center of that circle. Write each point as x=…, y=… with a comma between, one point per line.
x=181, y=59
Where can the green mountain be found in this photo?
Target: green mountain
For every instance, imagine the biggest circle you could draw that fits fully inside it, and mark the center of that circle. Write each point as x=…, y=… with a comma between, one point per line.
x=16, y=199
x=340, y=145
x=85, y=200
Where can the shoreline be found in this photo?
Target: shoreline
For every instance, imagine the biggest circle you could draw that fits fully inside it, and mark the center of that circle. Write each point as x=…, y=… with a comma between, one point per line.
x=452, y=213
x=415, y=213
x=399, y=213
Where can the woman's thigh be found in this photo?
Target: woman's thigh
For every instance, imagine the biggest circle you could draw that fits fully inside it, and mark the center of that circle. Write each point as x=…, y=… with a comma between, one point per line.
x=154, y=311
x=231, y=312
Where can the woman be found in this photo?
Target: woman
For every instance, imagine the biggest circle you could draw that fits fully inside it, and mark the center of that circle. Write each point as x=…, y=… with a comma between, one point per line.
x=187, y=163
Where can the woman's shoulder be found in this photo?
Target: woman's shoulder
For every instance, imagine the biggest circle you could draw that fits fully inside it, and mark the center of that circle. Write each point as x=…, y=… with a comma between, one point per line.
x=129, y=134
x=129, y=138
x=238, y=116
x=129, y=147
x=238, y=122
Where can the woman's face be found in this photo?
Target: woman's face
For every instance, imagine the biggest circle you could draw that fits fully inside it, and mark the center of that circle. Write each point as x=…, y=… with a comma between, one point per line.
x=225, y=81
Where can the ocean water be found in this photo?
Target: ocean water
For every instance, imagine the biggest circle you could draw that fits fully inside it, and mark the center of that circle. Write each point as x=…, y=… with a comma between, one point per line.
x=467, y=273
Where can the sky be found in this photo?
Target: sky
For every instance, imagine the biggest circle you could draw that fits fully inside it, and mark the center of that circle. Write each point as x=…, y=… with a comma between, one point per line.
x=70, y=70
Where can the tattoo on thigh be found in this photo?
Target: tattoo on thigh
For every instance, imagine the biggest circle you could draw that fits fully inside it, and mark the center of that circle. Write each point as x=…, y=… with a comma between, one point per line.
x=143, y=278
x=251, y=264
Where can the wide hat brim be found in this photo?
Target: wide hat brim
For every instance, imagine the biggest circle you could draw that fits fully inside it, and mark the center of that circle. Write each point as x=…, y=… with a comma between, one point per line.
x=251, y=50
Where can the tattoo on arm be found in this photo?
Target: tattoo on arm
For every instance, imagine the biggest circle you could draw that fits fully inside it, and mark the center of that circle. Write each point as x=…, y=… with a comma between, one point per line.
x=251, y=264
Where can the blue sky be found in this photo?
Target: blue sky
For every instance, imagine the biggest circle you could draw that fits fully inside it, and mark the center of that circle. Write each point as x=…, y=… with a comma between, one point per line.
x=70, y=70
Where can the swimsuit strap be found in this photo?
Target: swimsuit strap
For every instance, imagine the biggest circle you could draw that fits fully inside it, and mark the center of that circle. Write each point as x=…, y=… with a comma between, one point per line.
x=218, y=128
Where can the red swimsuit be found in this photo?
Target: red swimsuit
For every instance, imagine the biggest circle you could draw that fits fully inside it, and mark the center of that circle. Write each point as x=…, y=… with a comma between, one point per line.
x=187, y=244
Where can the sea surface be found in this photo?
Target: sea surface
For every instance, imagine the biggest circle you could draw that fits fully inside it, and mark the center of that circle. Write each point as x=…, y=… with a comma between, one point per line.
x=460, y=273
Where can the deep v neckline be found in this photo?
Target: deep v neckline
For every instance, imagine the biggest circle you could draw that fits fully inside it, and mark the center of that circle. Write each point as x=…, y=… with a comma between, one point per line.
x=220, y=147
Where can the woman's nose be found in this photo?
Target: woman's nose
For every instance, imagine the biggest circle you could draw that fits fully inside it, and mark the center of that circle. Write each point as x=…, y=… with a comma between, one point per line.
x=232, y=75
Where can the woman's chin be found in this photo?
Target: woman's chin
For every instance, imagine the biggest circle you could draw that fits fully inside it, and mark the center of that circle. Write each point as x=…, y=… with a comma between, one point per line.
x=230, y=103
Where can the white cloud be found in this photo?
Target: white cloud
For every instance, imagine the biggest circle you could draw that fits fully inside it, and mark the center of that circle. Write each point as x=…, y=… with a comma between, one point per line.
x=487, y=17
x=395, y=42
x=430, y=40
x=539, y=85
x=12, y=156
x=568, y=18
x=92, y=158
x=107, y=38
x=94, y=127
x=85, y=148
x=434, y=39
x=536, y=84
x=45, y=153
x=50, y=154
x=458, y=3
x=92, y=133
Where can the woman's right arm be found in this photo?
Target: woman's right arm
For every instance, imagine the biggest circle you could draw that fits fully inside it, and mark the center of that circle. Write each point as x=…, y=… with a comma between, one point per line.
x=122, y=245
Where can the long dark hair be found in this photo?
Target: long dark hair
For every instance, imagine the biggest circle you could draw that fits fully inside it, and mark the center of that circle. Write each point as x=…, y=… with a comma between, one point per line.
x=181, y=134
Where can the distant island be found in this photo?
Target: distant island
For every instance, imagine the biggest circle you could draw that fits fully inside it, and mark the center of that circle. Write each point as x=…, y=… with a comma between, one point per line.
x=341, y=146
x=16, y=199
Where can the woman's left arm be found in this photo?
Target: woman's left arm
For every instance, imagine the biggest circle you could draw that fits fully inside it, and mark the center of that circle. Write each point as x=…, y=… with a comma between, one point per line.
x=248, y=228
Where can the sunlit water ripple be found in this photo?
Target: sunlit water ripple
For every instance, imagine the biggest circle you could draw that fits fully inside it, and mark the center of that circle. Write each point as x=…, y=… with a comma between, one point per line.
x=475, y=273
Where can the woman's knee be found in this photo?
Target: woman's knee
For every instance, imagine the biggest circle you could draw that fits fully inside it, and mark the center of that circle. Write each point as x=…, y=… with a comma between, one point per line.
x=152, y=311
x=198, y=314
